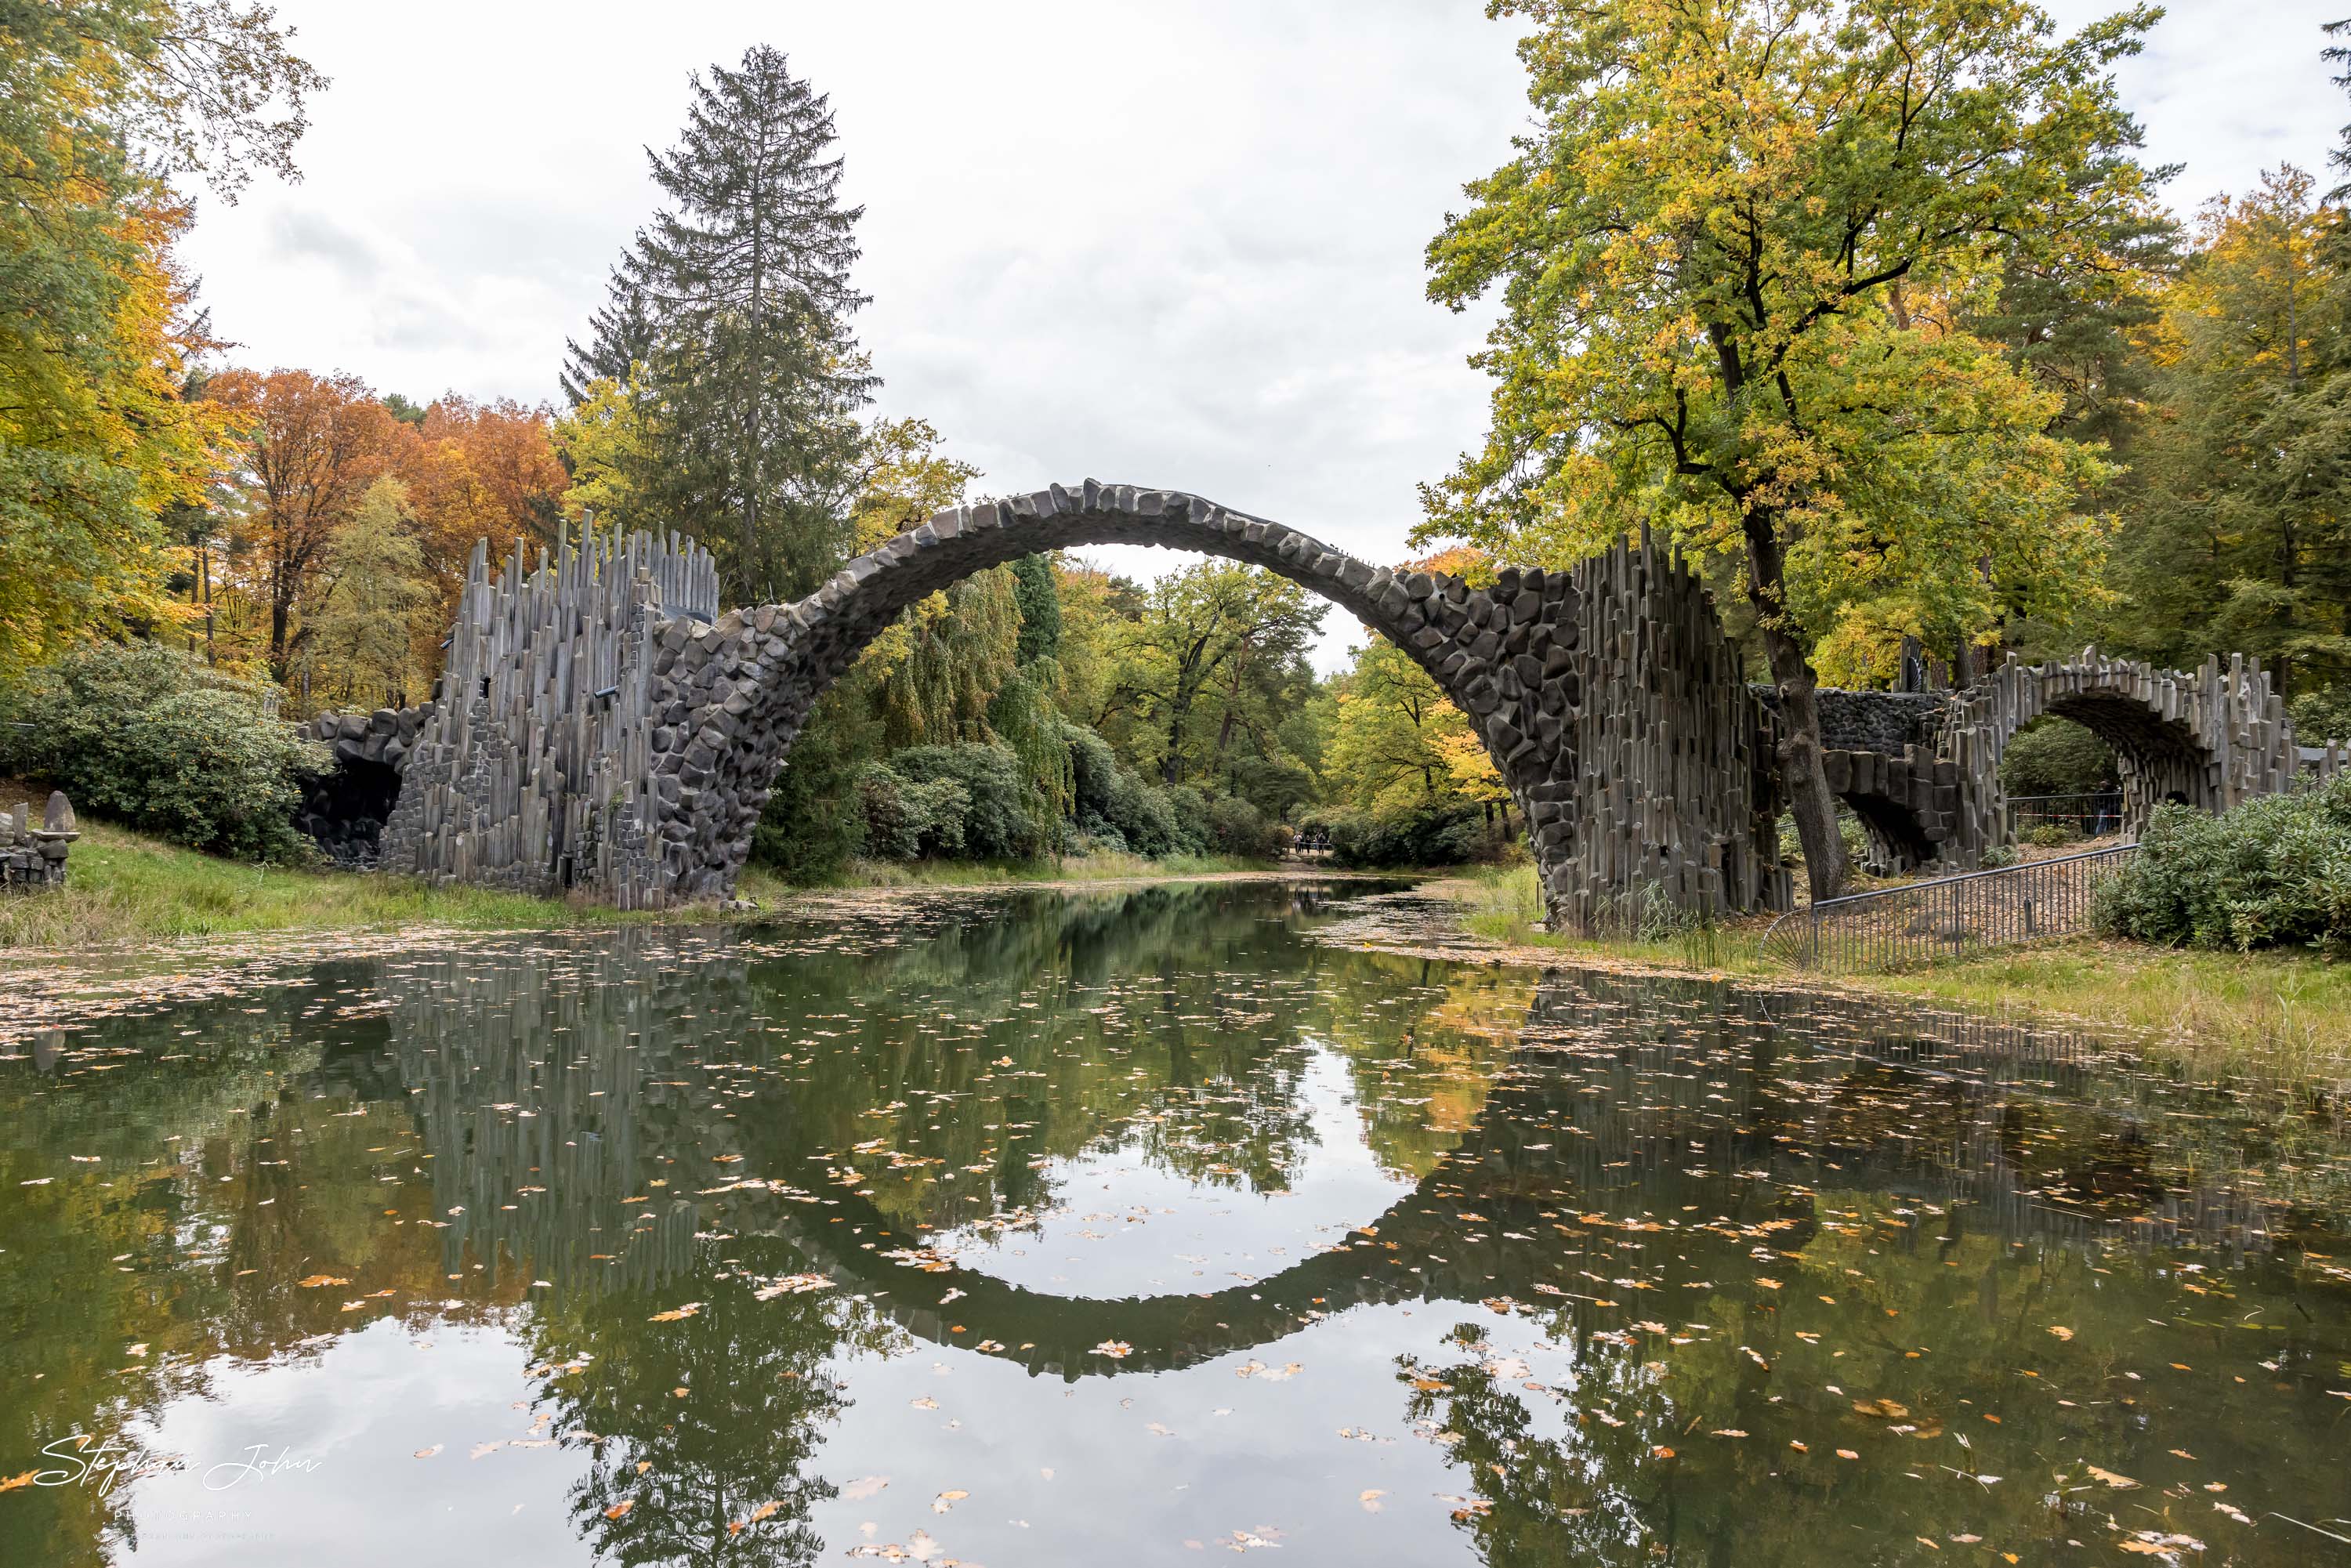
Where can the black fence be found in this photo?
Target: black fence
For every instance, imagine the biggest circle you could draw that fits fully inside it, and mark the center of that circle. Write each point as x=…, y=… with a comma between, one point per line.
x=2088, y=815
x=1950, y=917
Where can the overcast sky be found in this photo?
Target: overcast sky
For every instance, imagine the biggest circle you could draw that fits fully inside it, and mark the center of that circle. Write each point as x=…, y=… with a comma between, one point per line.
x=1172, y=245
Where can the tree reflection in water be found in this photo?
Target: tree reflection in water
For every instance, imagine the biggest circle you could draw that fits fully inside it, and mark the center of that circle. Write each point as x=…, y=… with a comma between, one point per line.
x=710, y=1181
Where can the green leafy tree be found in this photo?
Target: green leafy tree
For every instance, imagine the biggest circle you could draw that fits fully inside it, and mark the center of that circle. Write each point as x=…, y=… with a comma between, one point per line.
x=1211, y=664
x=372, y=609
x=2240, y=535
x=600, y=441
x=1734, y=255
x=100, y=106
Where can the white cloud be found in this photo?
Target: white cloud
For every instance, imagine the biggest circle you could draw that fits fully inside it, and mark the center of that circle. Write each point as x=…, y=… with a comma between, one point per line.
x=1176, y=245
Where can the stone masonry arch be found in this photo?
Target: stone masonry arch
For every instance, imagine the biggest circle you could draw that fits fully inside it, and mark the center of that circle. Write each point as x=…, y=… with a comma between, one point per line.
x=600, y=727
x=588, y=735
x=826, y=633
x=2213, y=738
x=1610, y=701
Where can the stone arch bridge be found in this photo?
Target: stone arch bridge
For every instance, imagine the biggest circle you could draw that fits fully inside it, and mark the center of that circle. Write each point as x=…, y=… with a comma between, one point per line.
x=600, y=727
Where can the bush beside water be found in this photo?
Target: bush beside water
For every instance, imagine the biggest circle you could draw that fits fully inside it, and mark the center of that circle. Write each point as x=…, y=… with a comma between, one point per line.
x=168, y=745
x=1422, y=836
x=971, y=799
x=2273, y=873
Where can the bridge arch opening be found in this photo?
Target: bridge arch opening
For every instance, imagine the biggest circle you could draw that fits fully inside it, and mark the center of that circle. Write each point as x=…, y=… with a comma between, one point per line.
x=2157, y=758
x=829, y=630
x=1653, y=734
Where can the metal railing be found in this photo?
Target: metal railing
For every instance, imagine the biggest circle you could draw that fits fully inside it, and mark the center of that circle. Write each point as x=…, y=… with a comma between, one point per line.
x=1949, y=917
x=2089, y=815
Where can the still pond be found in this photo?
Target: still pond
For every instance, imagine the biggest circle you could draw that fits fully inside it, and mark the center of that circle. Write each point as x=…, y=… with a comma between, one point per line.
x=1139, y=1227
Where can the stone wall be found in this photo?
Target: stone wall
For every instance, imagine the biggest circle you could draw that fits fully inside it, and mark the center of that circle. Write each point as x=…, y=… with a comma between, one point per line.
x=586, y=739
x=533, y=769
x=345, y=811
x=2211, y=737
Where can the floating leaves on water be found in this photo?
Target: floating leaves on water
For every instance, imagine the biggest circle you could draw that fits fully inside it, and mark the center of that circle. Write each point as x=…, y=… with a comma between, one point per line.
x=675, y=1315
x=1886, y=1409
x=317, y=1281
x=2119, y=1483
x=948, y=1499
x=2061, y=1331
x=765, y=1510
x=1116, y=1348
x=2156, y=1543
x=620, y=1509
x=920, y=1547
x=1264, y=1374
x=870, y=1486
x=428, y=1453
x=792, y=1285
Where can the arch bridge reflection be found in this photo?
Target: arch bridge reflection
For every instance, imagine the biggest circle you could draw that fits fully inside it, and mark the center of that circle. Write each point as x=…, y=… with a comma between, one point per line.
x=595, y=1109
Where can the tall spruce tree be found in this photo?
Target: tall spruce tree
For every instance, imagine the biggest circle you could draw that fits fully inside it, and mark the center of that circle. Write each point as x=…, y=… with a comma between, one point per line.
x=756, y=379
x=622, y=334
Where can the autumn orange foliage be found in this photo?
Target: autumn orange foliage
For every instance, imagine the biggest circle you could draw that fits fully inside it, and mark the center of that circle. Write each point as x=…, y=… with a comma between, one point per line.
x=308, y=447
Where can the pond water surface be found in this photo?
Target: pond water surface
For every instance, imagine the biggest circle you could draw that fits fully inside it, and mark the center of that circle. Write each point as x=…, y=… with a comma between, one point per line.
x=1127, y=1226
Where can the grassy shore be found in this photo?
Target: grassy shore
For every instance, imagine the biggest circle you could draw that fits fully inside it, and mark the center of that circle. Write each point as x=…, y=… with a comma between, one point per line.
x=124, y=887
x=2275, y=1013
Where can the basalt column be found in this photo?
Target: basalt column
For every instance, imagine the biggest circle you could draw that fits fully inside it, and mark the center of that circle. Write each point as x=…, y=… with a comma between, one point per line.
x=1663, y=804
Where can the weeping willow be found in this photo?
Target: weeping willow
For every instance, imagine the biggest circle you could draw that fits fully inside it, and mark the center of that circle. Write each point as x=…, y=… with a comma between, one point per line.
x=1027, y=716
x=944, y=662
x=951, y=671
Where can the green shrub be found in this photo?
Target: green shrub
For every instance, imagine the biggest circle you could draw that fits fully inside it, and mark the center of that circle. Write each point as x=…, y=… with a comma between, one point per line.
x=1238, y=828
x=2058, y=757
x=998, y=823
x=2275, y=872
x=2050, y=835
x=1190, y=809
x=906, y=819
x=1422, y=836
x=2320, y=717
x=170, y=746
x=1114, y=809
x=802, y=834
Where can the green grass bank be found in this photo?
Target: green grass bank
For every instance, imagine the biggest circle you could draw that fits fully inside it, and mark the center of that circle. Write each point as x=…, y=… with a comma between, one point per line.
x=126, y=888
x=2274, y=1013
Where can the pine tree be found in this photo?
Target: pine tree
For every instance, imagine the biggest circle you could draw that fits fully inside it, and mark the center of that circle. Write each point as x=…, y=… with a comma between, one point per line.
x=755, y=377
x=622, y=334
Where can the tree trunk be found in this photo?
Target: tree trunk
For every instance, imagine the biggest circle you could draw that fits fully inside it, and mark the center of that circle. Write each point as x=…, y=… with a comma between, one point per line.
x=1801, y=770
x=281, y=614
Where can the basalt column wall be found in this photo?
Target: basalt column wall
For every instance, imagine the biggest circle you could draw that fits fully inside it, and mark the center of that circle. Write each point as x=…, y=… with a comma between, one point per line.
x=533, y=771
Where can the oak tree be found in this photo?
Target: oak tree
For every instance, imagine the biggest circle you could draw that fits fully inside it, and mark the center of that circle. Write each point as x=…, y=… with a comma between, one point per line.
x=1735, y=257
